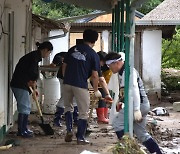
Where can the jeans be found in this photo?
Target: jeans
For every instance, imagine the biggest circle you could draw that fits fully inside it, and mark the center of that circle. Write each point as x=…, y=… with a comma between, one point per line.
x=23, y=100
x=139, y=128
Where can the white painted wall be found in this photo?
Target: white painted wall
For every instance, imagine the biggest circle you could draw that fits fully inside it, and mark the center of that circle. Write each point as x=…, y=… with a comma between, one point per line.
x=36, y=36
x=105, y=40
x=151, y=57
x=2, y=40
x=19, y=7
x=59, y=44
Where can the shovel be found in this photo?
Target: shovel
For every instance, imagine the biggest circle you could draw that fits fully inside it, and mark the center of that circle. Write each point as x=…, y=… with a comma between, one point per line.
x=10, y=143
x=93, y=105
x=45, y=127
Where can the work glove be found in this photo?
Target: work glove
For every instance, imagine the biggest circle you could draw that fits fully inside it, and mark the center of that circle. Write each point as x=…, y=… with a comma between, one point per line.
x=137, y=116
x=108, y=98
x=98, y=94
x=119, y=106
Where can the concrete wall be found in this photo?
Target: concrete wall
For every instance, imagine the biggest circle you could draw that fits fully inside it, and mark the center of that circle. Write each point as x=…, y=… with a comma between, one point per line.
x=21, y=21
x=151, y=61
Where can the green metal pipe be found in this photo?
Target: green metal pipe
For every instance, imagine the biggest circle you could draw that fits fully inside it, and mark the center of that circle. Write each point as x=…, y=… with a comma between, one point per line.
x=122, y=27
x=127, y=68
x=113, y=31
x=118, y=26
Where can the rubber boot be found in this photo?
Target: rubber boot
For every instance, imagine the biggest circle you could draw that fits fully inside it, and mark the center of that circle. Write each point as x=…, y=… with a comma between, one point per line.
x=69, y=134
x=120, y=134
x=22, y=126
x=58, y=116
x=81, y=130
x=152, y=146
x=30, y=132
x=100, y=115
x=75, y=115
x=106, y=113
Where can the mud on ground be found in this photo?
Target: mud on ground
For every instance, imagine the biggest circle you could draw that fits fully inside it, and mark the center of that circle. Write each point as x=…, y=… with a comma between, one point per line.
x=165, y=129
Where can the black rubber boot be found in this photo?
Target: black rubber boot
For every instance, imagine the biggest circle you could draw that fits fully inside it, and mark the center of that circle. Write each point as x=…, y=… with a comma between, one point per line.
x=58, y=116
x=120, y=134
x=75, y=115
x=69, y=134
x=20, y=124
x=22, y=121
x=30, y=132
x=82, y=124
x=152, y=146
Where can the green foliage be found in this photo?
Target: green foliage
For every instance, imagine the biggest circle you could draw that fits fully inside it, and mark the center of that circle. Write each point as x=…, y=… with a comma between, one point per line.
x=171, y=51
x=57, y=10
x=149, y=5
x=171, y=81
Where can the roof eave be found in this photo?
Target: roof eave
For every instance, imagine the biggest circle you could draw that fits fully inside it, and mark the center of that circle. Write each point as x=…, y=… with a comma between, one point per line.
x=157, y=22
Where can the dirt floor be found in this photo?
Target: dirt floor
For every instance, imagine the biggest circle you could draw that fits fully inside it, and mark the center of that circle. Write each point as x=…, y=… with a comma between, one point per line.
x=102, y=139
x=165, y=129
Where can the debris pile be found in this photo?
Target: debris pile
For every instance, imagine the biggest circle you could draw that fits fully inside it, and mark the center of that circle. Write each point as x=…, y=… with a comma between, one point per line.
x=127, y=145
x=160, y=134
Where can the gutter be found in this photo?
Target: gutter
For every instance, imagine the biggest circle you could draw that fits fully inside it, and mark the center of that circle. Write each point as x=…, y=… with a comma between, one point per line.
x=55, y=37
x=65, y=27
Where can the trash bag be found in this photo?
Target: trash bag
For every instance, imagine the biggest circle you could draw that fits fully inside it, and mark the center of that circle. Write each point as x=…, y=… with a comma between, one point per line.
x=160, y=111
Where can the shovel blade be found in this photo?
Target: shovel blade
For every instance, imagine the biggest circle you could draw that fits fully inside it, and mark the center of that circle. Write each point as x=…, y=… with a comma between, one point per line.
x=47, y=129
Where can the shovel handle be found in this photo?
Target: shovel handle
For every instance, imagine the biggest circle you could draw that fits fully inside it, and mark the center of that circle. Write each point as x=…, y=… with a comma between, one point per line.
x=6, y=147
x=37, y=103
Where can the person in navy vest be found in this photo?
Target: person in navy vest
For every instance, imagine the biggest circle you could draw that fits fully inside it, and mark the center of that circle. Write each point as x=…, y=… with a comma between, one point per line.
x=25, y=75
x=141, y=104
x=58, y=61
x=80, y=63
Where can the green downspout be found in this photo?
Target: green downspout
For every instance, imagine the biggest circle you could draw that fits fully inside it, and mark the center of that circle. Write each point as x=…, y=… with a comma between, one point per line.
x=118, y=26
x=113, y=31
x=122, y=27
x=127, y=68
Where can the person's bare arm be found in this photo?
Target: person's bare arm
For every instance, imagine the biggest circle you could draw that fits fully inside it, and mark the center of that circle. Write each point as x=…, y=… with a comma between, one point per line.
x=64, y=68
x=103, y=84
x=95, y=80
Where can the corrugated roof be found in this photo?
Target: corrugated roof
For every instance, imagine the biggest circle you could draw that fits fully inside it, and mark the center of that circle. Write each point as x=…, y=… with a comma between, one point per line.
x=157, y=22
x=46, y=23
x=168, y=10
